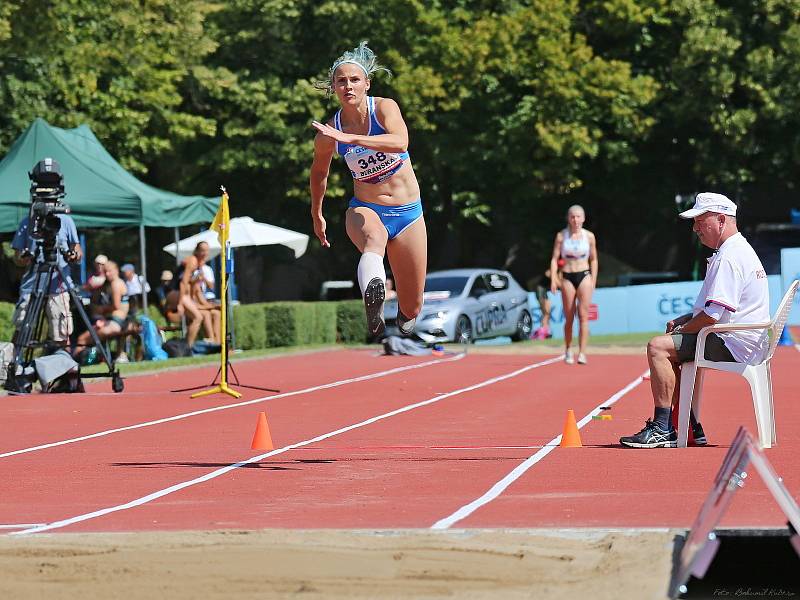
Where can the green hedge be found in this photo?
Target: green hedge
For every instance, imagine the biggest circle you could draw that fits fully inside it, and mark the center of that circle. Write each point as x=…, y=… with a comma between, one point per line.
x=297, y=323
x=351, y=325
x=273, y=324
x=6, y=326
x=325, y=325
x=250, y=326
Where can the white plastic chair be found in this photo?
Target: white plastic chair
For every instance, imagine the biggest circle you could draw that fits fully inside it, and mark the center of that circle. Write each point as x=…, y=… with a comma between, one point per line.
x=758, y=376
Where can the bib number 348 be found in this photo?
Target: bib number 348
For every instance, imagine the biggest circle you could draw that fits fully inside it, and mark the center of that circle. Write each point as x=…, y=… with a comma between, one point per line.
x=373, y=159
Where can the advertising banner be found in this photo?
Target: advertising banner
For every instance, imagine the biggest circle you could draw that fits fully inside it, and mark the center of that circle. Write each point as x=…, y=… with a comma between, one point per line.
x=790, y=270
x=643, y=308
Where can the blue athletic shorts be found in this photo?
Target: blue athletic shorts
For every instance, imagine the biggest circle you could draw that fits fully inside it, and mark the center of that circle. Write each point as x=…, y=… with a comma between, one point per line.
x=396, y=219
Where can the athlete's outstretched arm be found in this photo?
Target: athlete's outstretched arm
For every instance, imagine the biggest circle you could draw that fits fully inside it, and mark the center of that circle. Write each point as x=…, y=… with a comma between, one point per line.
x=318, y=182
x=394, y=140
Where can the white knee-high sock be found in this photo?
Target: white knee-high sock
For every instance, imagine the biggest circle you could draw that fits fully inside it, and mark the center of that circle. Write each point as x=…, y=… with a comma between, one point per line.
x=369, y=267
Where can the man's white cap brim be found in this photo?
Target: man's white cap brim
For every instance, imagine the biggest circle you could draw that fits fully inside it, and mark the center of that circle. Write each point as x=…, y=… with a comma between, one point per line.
x=710, y=202
x=691, y=213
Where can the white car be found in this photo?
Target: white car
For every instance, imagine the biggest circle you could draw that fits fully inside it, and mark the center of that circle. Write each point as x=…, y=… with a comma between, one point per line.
x=462, y=305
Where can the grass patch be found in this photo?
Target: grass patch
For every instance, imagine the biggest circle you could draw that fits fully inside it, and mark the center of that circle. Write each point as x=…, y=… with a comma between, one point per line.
x=622, y=339
x=198, y=361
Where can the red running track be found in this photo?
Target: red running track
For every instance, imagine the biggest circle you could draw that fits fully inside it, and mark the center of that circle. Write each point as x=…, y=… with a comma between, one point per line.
x=407, y=470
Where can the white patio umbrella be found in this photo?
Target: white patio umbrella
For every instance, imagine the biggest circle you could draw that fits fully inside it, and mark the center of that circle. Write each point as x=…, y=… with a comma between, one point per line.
x=244, y=232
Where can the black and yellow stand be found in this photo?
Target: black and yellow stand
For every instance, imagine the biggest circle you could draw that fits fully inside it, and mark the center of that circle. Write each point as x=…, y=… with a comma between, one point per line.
x=221, y=386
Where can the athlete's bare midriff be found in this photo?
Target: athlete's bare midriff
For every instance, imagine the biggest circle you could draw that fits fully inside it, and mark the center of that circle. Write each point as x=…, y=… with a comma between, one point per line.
x=400, y=188
x=575, y=265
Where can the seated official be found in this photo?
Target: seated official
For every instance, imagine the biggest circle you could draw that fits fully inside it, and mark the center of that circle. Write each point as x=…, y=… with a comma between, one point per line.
x=735, y=291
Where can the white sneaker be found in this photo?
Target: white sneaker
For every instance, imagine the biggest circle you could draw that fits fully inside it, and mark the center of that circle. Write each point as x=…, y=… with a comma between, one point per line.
x=582, y=359
x=568, y=358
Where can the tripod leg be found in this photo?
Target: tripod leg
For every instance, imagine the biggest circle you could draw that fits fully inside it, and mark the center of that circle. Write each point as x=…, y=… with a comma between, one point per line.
x=97, y=341
x=31, y=327
x=26, y=336
x=252, y=387
x=214, y=382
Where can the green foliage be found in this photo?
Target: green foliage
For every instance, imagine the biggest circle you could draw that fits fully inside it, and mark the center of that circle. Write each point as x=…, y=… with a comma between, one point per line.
x=516, y=108
x=351, y=328
x=156, y=316
x=250, y=323
x=270, y=325
x=299, y=323
x=281, y=324
x=324, y=323
x=119, y=66
x=6, y=325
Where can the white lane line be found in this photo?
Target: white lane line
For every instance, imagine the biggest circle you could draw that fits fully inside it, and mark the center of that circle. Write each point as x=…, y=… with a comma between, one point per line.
x=222, y=471
x=333, y=449
x=501, y=486
x=315, y=388
x=21, y=525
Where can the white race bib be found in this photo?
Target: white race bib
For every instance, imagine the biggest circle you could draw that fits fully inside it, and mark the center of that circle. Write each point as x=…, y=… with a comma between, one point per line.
x=371, y=166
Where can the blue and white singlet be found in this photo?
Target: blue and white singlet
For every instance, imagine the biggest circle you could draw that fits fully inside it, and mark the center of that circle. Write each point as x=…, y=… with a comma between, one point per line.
x=366, y=165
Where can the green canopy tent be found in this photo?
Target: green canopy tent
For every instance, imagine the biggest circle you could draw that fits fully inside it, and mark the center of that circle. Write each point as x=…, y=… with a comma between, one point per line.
x=99, y=191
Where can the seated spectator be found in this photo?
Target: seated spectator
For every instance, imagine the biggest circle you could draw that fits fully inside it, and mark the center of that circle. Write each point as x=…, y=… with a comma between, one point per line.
x=164, y=289
x=207, y=282
x=188, y=303
x=109, y=306
x=134, y=283
x=210, y=312
x=98, y=276
x=175, y=309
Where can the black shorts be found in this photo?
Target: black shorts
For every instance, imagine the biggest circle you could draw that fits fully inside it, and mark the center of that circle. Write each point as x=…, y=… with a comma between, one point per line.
x=576, y=278
x=715, y=350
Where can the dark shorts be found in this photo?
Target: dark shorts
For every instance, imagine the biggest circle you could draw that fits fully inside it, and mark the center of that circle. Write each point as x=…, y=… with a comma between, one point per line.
x=686, y=344
x=576, y=278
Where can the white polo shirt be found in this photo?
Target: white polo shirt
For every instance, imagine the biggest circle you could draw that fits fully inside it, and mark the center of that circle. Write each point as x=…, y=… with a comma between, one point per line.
x=735, y=290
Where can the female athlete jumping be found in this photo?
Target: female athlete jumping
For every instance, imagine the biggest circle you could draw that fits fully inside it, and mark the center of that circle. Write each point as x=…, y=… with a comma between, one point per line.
x=385, y=212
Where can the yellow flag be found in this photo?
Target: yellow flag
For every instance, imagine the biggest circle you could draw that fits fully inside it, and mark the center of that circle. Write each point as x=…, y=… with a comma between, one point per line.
x=221, y=221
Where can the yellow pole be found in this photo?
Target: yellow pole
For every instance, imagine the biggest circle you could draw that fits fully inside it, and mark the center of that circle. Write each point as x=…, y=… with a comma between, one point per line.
x=223, y=239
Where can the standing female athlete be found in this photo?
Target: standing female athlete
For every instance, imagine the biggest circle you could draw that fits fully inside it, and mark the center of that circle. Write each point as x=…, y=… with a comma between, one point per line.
x=385, y=212
x=577, y=248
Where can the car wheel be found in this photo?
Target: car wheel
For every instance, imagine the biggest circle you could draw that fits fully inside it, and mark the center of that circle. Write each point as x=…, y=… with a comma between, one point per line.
x=463, y=334
x=524, y=327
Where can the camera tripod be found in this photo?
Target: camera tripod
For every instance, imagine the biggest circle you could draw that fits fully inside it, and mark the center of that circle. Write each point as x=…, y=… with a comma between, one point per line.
x=28, y=334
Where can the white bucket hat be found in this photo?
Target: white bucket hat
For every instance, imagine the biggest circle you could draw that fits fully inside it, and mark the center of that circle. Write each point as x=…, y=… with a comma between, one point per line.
x=710, y=202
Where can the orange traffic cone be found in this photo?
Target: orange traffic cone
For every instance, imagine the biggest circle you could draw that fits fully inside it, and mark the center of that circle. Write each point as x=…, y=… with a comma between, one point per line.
x=262, y=440
x=571, y=438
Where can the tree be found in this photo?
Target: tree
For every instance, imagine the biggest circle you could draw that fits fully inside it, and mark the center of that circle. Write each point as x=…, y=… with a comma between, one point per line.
x=116, y=65
x=505, y=102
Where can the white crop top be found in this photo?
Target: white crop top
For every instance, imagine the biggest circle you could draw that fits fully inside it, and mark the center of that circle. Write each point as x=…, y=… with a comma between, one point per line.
x=575, y=249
